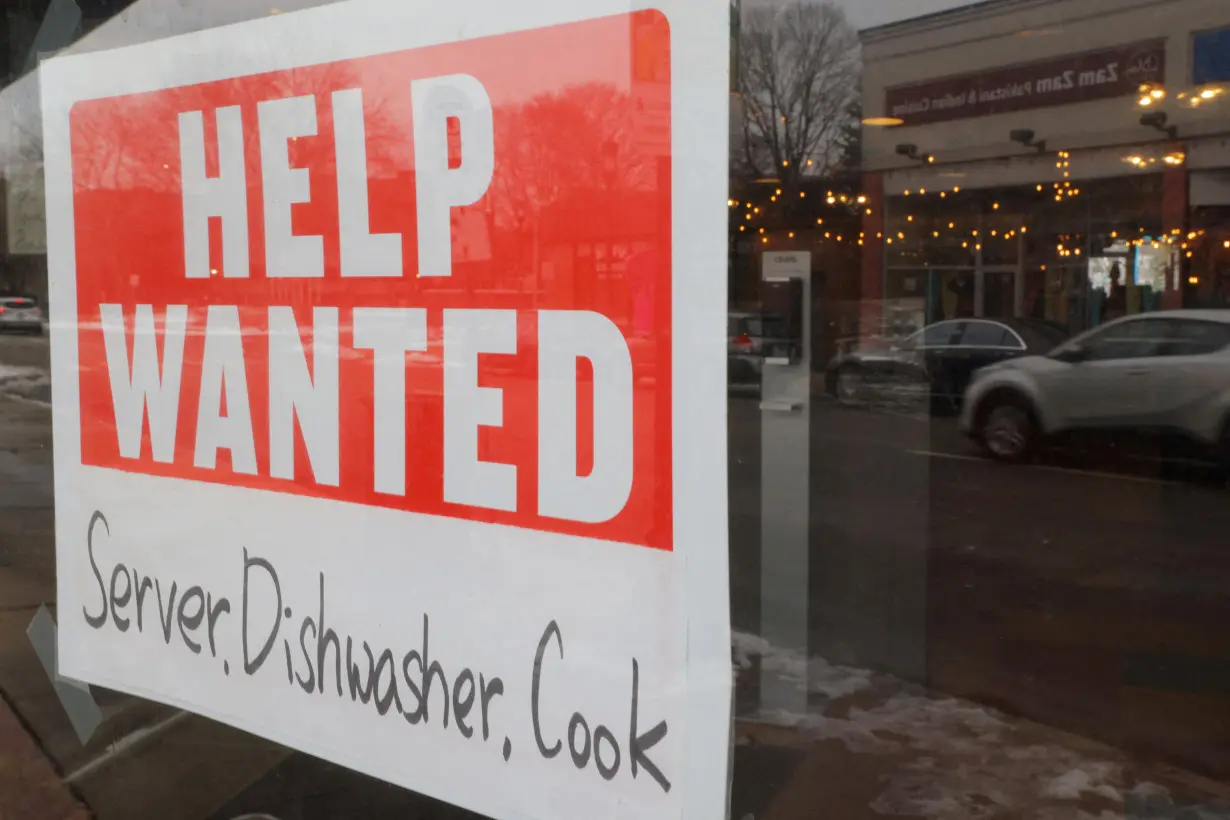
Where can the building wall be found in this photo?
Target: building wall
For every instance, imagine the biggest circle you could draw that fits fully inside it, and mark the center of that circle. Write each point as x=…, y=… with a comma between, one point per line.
x=997, y=34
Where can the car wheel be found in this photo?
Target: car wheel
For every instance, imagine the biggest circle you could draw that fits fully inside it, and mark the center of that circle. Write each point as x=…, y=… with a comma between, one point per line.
x=849, y=384
x=1008, y=432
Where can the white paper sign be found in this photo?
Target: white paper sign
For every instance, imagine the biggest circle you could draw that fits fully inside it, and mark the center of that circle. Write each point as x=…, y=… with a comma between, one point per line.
x=351, y=452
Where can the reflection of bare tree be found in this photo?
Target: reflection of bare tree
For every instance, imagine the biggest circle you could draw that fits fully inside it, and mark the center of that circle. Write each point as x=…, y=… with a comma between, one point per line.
x=580, y=139
x=798, y=76
x=21, y=169
x=116, y=149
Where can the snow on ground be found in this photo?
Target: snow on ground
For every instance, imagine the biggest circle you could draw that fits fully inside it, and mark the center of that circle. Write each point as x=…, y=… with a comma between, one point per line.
x=30, y=383
x=953, y=759
x=813, y=674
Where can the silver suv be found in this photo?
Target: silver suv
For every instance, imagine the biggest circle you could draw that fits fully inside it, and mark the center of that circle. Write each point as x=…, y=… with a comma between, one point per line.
x=1165, y=373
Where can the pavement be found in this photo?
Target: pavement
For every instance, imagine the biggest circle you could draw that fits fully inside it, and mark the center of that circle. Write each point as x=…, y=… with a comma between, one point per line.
x=986, y=641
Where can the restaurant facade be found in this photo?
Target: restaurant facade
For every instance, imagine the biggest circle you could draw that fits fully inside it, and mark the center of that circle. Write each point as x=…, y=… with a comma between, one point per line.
x=1067, y=161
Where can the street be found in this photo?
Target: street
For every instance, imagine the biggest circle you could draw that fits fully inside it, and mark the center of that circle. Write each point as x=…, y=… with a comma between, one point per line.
x=1067, y=606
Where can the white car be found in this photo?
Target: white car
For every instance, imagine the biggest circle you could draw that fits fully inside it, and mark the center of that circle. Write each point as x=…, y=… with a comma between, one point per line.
x=1159, y=373
x=20, y=314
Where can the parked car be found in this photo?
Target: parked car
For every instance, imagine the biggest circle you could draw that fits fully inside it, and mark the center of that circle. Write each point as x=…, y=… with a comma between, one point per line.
x=20, y=314
x=752, y=337
x=939, y=360
x=1165, y=373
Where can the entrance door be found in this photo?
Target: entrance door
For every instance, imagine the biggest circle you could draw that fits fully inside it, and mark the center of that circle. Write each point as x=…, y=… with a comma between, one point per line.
x=999, y=292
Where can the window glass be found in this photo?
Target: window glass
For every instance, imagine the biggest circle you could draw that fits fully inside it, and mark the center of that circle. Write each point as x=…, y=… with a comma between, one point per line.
x=966, y=585
x=988, y=334
x=944, y=333
x=1136, y=339
x=1195, y=338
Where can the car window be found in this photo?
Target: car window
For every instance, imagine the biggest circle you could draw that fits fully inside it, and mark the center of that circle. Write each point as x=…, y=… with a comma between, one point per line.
x=988, y=334
x=1041, y=338
x=1196, y=338
x=1128, y=340
x=944, y=333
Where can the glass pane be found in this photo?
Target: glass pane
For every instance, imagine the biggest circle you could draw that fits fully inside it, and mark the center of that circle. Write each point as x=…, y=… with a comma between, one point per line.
x=1130, y=340
x=1193, y=338
x=986, y=334
x=966, y=580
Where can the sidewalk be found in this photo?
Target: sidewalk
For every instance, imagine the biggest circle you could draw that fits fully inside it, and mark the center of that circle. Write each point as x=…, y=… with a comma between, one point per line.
x=146, y=760
x=873, y=746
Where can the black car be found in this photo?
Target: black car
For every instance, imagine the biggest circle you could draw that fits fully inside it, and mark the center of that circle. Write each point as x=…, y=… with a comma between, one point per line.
x=937, y=361
x=752, y=338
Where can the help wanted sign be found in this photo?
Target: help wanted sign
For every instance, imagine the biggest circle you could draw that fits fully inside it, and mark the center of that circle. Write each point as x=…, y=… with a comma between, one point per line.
x=389, y=392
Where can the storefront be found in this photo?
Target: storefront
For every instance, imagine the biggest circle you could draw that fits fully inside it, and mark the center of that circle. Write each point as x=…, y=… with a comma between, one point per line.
x=1067, y=170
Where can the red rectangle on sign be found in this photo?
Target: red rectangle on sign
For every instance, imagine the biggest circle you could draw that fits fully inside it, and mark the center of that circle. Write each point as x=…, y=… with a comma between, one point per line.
x=437, y=280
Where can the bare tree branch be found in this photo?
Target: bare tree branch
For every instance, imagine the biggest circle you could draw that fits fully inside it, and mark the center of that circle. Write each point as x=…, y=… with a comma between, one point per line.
x=799, y=77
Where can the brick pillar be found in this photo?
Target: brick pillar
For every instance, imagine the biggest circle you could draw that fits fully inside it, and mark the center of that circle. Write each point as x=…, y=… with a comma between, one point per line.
x=871, y=284
x=1174, y=217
